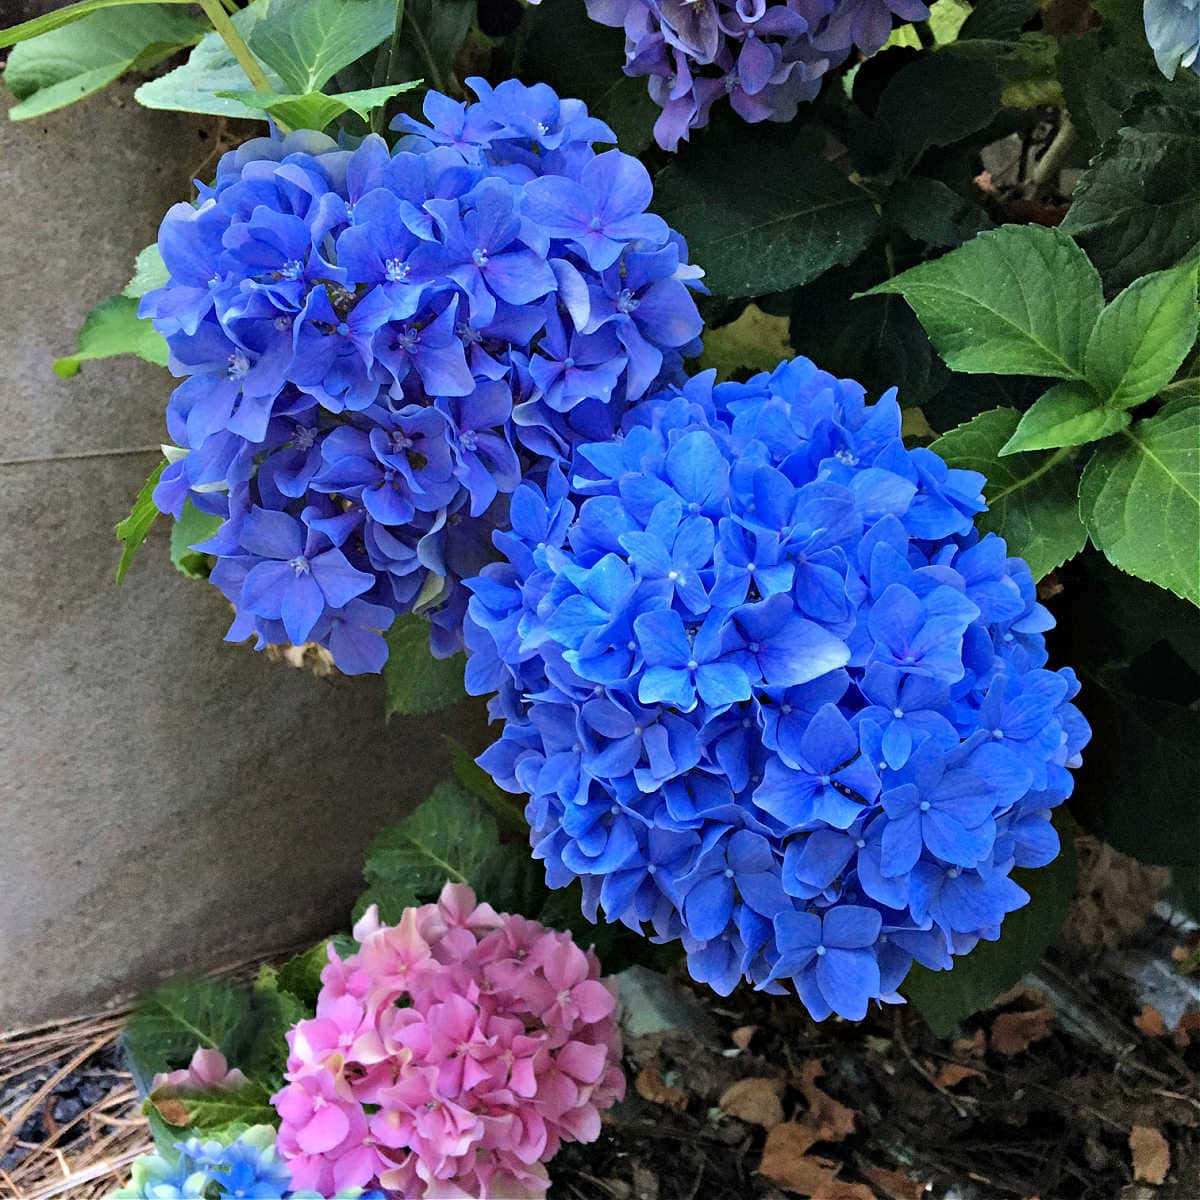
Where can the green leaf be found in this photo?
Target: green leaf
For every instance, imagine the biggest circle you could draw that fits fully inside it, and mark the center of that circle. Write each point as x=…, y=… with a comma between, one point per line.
x=415, y=681
x=1031, y=496
x=562, y=46
x=1140, y=747
x=997, y=20
x=193, y=526
x=511, y=881
x=802, y=217
x=506, y=808
x=446, y=839
x=431, y=37
x=273, y=1011
x=212, y=1113
x=110, y=329
x=67, y=16
x=914, y=114
x=945, y=998
x=300, y=976
x=316, y=110
x=149, y=272
x=1018, y=300
x=1070, y=414
x=132, y=531
x=301, y=45
x=57, y=68
x=169, y=1025
x=752, y=342
x=1137, y=207
x=1143, y=336
x=1140, y=500
x=928, y=211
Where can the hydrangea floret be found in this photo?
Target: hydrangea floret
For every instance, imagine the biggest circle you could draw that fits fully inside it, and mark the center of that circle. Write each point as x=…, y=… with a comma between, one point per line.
x=377, y=345
x=1173, y=31
x=764, y=56
x=771, y=694
x=450, y=1055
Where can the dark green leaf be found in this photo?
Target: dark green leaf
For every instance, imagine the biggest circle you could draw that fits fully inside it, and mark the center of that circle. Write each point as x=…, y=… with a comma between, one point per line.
x=193, y=526
x=1143, y=336
x=131, y=532
x=445, y=840
x=802, y=217
x=1140, y=780
x=561, y=45
x=1070, y=414
x=432, y=35
x=1018, y=300
x=110, y=329
x=273, y=1011
x=67, y=15
x=997, y=20
x=416, y=682
x=301, y=976
x=171, y=1024
x=1140, y=499
x=149, y=272
x=474, y=779
x=1031, y=497
x=511, y=881
x=1137, y=207
x=316, y=110
x=57, y=68
x=928, y=211
x=947, y=997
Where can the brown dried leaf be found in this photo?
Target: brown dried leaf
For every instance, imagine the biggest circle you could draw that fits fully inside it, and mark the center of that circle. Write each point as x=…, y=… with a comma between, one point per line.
x=786, y=1161
x=952, y=1074
x=173, y=1111
x=1015, y=1032
x=756, y=1101
x=1151, y=1154
x=744, y=1036
x=652, y=1087
x=895, y=1185
x=1150, y=1022
x=829, y=1117
x=839, y=1189
x=973, y=1047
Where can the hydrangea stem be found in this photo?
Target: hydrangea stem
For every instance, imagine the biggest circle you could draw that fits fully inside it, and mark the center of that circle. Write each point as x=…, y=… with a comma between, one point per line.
x=238, y=48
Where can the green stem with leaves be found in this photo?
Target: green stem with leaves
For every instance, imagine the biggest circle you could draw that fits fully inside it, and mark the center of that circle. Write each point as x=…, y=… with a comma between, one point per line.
x=238, y=48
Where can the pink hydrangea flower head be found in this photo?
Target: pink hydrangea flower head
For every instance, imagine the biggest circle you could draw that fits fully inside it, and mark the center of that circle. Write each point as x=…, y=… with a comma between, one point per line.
x=450, y=1056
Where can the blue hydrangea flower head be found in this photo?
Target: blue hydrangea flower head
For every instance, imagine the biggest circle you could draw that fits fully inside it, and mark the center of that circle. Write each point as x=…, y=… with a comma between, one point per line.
x=377, y=344
x=1173, y=31
x=770, y=693
x=765, y=57
x=207, y=1169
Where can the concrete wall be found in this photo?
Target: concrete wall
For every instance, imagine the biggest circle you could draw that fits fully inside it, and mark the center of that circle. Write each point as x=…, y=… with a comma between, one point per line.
x=167, y=801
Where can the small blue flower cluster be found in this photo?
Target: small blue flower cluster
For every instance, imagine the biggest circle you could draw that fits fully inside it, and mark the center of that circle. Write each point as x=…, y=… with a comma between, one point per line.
x=378, y=346
x=1173, y=31
x=769, y=691
x=206, y=1169
x=763, y=56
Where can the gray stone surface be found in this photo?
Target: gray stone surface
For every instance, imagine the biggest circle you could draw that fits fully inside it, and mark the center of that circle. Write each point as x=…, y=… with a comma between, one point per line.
x=167, y=802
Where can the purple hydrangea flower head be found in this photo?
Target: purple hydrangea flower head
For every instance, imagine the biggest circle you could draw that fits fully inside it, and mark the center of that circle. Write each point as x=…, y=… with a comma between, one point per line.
x=764, y=56
x=770, y=693
x=377, y=344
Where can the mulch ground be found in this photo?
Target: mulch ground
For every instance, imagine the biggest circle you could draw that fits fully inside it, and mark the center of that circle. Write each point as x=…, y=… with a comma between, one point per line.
x=1073, y=1087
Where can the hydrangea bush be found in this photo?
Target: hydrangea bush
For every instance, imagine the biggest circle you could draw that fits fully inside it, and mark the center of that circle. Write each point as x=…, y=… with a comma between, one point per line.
x=378, y=344
x=450, y=1055
x=770, y=692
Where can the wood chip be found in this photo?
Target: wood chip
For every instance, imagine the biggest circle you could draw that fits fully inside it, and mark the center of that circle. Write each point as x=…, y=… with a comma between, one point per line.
x=652, y=1087
x=895, y=1185
x=786, y=1161
x=743, y=1036
x=953, y=1074
x=755, y=1101
x=1150, y=1022
x=1151, y=1154
x=829, y=1117
x=1014, y=1032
